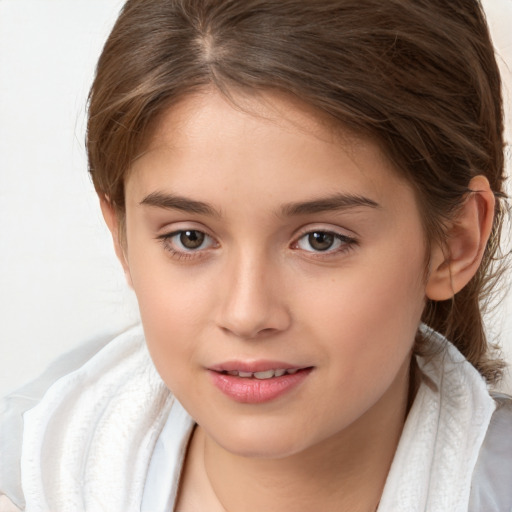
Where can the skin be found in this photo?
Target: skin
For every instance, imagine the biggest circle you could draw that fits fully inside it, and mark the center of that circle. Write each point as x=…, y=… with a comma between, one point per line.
x=258, y=289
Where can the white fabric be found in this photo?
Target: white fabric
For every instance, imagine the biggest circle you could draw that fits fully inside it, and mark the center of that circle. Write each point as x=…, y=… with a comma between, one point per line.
x=442, y=436
x=491, y=486
x=88, y=444
x=110, y=437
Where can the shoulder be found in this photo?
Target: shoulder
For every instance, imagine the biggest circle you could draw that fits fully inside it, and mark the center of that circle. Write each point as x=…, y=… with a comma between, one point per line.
x=89, y=385
x=14, y=406
x=498, y=439
x=491, y=487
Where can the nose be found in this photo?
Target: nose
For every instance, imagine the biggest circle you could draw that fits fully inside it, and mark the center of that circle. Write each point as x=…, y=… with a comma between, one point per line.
x=253, y=303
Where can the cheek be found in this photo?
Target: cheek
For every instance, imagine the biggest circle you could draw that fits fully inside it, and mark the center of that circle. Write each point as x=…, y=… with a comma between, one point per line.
x=174, y=306
x=172, y=316
x=368, y=314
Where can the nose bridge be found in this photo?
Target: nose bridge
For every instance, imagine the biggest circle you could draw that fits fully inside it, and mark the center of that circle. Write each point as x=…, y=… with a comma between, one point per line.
x=251, y=302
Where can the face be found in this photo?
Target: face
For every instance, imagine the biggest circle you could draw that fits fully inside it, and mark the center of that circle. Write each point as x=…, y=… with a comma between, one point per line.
x=278, y=266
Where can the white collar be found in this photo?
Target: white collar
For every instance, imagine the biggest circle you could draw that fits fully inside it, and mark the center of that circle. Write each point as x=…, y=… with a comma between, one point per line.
x=442, y=436
x=88, y=443
x=76, y=456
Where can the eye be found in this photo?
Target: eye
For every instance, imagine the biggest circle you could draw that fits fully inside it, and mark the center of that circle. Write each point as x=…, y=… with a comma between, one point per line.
x=184, y=243
x=324, y=241
x=190, y=240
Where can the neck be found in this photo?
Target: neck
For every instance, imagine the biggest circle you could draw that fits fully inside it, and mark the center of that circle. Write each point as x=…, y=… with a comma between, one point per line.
x=345, y=472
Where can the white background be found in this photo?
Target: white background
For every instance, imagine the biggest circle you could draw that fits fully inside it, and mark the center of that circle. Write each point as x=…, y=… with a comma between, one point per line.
x=60, y=284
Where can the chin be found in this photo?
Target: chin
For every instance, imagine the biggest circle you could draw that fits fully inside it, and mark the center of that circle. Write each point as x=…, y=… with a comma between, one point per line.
x=260, y=441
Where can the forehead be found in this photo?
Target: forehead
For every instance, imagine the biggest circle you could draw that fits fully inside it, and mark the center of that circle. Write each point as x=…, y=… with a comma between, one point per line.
x=270, y=144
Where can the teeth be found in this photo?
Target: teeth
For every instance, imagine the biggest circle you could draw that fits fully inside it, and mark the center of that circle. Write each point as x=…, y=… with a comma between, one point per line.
x=262, y=375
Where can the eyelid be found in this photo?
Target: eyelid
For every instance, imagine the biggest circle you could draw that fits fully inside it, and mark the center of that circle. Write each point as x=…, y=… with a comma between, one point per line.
x=178, y=232
x=325, y=228
x=182, y=225
x=348, y=241
x=177, y=253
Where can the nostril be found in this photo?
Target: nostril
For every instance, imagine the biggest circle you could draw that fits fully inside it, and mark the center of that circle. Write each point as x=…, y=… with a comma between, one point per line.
x=252, y=313
x=251, y=335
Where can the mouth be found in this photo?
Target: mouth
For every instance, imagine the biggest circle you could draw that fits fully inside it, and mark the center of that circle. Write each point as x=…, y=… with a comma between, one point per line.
x=264, y=375
x=256, y=387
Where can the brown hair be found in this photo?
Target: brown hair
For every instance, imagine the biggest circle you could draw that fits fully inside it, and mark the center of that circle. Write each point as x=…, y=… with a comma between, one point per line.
x=418, y=76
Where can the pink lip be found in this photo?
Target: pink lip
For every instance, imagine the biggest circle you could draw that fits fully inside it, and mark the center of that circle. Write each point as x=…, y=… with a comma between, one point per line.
x=256, y=391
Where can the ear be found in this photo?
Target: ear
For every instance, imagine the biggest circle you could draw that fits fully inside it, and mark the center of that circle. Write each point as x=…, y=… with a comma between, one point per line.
x=112, y=220
x=454, y=264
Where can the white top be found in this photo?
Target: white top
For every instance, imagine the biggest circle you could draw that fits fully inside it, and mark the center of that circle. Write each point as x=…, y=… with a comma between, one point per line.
x=107, y=435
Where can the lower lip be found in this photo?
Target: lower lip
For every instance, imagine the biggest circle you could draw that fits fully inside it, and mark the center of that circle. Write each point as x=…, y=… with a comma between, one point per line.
x=256, y=391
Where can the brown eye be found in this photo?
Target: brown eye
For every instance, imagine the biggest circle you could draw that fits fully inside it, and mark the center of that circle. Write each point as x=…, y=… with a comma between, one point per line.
x=192, y=239
x=321, y=240
x=328, y=242
x=187, y=244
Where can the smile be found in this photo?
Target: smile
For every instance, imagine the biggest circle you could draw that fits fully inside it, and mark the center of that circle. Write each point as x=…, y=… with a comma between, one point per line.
x=269, y=374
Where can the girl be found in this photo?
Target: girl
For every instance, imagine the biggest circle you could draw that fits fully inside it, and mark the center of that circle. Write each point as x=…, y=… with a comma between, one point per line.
x=306, y=197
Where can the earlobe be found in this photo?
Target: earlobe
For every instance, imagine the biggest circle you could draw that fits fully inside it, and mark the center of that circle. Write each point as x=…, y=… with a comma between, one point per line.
x=112, y=221
x=454, y=264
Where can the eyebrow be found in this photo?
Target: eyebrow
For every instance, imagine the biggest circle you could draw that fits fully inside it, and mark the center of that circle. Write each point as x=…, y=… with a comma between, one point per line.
x=174, y=202
x=334, y=202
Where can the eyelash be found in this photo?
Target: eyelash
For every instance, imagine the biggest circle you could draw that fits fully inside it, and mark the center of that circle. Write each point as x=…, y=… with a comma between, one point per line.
x=166, y=240
x=346, y=244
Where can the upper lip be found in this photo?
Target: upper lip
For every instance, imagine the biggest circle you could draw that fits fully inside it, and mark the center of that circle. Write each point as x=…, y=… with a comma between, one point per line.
x=254, y=366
